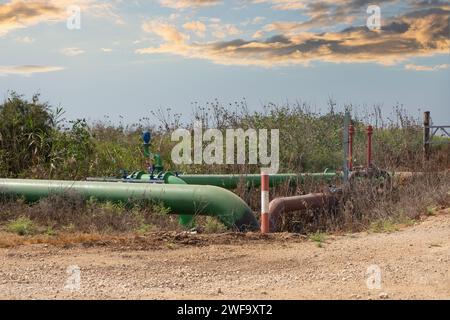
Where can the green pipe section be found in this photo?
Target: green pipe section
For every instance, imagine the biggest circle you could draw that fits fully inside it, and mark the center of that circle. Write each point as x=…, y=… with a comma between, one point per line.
x=185, y=220
x=170, y=178
x=185, y=199
x=229, y=181
x=232, y=181
x=147, y=152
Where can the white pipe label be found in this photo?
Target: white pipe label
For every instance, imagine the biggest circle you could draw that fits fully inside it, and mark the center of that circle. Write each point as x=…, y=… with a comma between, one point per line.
x=264, y=201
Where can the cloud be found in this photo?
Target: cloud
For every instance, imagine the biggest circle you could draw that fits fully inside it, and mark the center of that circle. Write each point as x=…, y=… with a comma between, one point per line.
x=223, y=30
x=19, y=14
x=415, y=34
x=25, y=40
x=330, y=13
x=258, y=35
x=197, y=27
x=416, y=67
x=166, y=31
x=257, y=20
x=284, y=4
x=282, y=27
x=253, y=21
x=27, y=70
x=72, y=52
x=170, y=33
x=324, y=13
x=184, y=4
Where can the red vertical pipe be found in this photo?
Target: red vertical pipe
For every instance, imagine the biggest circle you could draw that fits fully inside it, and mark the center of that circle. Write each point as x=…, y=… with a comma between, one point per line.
x=264, y=202
x=351, y=133
x=369, y=146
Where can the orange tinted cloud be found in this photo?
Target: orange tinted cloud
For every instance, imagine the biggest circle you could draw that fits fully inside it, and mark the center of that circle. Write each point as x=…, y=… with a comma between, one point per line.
x=197, y=27
x=72, y=52
x=184, y=4
x=27, y=70
x=17, y=14
x=285, y=4
x=329, y=13
x=417, y=33
x=416, y=67
x=165, y=31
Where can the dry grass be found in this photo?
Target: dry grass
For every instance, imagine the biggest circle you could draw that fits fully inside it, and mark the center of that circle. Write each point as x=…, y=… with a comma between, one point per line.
x=374, y=205
x=366, y=204
x=153, y=240
x=70, y=213
x=8, y=240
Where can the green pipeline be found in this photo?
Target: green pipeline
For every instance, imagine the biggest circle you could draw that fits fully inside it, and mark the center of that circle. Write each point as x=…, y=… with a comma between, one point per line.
x=184, y=219
x=229, y=181
x=180, y=199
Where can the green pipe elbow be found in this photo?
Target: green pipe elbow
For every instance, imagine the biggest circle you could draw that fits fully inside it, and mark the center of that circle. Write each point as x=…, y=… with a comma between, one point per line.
x=180, y=199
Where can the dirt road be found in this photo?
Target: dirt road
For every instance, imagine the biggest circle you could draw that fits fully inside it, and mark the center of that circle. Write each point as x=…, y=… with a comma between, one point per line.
x=414, y=263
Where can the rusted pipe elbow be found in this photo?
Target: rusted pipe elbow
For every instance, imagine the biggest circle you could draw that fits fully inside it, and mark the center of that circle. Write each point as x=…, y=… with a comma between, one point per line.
x=279, y=206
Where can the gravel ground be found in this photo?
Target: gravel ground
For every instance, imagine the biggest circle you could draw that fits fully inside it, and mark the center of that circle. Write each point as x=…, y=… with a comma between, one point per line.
x=414, y=263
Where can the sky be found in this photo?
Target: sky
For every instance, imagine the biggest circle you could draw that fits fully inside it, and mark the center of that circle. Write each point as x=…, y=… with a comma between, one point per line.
x=123, y=59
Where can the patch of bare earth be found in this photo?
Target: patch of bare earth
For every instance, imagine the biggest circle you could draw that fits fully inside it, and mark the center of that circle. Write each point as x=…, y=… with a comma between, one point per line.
x=414, y=263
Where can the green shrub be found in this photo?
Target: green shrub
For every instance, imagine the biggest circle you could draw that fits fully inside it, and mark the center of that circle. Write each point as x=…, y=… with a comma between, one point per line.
x=318, y=237
x=26, y=129
x=383, y=226
x=212, y=225
x=22, y=226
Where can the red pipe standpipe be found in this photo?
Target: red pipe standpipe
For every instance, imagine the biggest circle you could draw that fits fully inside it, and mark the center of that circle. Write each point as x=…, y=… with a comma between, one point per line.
x=264, y=203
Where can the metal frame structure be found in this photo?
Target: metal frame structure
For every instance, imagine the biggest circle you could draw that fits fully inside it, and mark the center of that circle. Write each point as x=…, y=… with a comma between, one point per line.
x=434, y=130
x=429, y=132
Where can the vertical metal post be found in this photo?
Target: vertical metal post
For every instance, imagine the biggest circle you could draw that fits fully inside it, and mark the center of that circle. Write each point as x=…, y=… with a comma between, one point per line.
x=264, y=202
x=351, y=132
x=426, y=136
x=369, y=146
x=345, y=143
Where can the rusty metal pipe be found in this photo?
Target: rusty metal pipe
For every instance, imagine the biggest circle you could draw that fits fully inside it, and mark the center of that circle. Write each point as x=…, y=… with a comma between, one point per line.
x=279, y=206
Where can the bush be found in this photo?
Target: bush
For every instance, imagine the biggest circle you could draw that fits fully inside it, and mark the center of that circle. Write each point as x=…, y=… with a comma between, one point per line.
x=22, y=226
x=26, y=129
x=36, y=142
x=212, y=225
